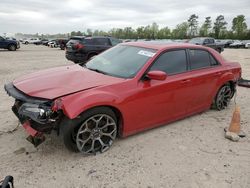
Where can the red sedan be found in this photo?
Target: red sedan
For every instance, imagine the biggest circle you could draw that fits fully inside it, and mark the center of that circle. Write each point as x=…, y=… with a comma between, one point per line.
x=127, y=89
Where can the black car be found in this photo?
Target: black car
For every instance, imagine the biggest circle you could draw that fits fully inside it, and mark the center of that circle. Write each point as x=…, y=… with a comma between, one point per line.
x=11, y=45
x=79, y=49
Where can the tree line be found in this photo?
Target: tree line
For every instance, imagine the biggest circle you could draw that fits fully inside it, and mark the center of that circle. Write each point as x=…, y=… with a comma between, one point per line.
x=190, y=28
x=185, y=30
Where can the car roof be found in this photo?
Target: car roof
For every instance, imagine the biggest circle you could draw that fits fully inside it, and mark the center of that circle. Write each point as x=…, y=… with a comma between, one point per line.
x=163, y=45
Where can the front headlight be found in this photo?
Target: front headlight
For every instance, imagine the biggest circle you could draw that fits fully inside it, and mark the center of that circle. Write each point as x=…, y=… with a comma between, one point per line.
x=35, y=112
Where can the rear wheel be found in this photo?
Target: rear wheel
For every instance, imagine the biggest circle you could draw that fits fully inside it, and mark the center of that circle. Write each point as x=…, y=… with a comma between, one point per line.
x=93, y=132
x=12, y=47
x=223, y=97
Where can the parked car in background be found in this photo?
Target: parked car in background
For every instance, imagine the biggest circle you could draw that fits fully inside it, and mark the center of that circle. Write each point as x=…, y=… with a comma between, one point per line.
x=79, y=49
x=9, y=44
x=40, y=42
x=237, y=44
x=31, y=41
x=53, y=44
x=62, y=43
x=127, y=89
x=225, y=42
x=247, y=43
x=209, y=42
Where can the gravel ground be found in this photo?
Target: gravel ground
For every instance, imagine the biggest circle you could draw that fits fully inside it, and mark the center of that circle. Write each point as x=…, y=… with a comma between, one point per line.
x=188, y=153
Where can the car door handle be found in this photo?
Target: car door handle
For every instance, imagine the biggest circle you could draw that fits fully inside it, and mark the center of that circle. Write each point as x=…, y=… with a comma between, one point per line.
x=185, y=81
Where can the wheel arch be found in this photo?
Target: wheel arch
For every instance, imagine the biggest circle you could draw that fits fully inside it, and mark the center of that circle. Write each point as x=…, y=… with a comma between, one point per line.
x=117, y=113
x=72, y=107
x=10, y=44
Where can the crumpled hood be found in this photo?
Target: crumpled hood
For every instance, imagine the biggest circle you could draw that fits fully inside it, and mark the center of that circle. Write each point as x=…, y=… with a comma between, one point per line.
x=60, y=81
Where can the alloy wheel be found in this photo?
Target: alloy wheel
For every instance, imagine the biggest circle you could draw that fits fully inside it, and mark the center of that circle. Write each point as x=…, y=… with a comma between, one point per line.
x=96, y=134
x=223, y=97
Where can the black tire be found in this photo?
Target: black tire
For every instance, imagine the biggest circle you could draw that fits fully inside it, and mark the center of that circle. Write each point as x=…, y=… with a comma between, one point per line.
x=69, y=129
x=223, y=97
x=12, y=47
x=26, y=42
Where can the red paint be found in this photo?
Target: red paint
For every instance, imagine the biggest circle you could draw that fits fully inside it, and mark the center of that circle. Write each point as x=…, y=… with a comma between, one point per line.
x=143, y=104
x=29, y=129
x=157, y=75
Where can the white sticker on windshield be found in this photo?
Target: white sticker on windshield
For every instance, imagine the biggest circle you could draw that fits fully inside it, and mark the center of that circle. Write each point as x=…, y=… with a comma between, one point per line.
x=146, y=53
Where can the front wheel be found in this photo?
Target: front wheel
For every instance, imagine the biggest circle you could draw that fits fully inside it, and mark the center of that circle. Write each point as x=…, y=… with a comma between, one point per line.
x=92, y=132
x=223, y=97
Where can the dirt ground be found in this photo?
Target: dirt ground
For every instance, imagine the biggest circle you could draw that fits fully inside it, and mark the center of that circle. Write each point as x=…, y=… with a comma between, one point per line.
x=190, y=153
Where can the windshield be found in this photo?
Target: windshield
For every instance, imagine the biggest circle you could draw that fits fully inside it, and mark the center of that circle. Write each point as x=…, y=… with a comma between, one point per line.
x=196, y=41
x=121, y=61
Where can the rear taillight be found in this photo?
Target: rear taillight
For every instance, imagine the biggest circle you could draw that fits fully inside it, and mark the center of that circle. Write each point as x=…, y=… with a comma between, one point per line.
x=79, y=46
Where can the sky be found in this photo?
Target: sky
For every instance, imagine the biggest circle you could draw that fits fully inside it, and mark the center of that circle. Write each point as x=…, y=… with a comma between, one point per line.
x=63, y=16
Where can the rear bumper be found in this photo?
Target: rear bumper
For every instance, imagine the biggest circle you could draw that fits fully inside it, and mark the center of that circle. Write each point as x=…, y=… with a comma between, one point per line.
x=76, y=57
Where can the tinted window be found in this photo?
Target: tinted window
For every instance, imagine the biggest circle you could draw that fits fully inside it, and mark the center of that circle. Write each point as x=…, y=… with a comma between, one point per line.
x=199, y=59
x=88, y=41
x=101, y=41
x=211, y=41
x=172, y=62
x=213, y=61
x=206, y=41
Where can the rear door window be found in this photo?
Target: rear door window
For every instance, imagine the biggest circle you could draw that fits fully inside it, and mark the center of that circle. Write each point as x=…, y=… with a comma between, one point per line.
x=172, y=62
x=199, y=59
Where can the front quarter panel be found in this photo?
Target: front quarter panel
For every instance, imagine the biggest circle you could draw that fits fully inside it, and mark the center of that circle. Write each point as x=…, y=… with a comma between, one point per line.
x=75, y=104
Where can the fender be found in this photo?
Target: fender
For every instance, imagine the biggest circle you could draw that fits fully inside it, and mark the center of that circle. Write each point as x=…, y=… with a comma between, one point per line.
x=74, y=105
x=226, y=77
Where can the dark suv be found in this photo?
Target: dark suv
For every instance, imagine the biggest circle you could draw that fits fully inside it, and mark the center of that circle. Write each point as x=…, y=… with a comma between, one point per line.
x=9, y=44
x=79, y=49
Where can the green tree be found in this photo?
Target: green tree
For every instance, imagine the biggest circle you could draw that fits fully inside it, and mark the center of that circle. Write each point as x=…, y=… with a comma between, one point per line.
x=154, y=30
x=239, y=26
x=180, y=31
x=193, y=24
x=219, y=26
x=140, y=32
x=164, y=33
x=206, y=26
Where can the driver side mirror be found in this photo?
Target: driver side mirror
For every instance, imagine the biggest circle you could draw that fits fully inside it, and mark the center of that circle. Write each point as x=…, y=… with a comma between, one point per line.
x=156, y=75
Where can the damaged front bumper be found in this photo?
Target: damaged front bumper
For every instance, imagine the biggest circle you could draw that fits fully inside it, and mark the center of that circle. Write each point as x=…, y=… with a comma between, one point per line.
x=35, y=114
